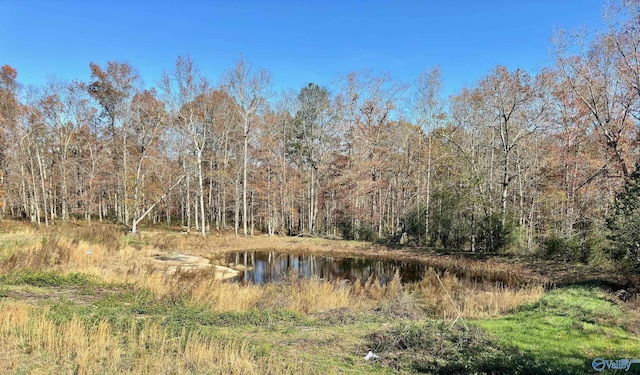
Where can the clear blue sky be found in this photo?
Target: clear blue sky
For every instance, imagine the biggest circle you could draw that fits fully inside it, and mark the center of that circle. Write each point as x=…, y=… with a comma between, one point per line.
x=297, y=41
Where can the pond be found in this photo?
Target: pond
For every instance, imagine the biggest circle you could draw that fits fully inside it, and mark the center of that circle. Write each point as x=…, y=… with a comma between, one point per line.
x=261, y=267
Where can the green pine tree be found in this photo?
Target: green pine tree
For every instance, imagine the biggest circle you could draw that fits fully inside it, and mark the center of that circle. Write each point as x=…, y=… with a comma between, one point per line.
x=624, y=223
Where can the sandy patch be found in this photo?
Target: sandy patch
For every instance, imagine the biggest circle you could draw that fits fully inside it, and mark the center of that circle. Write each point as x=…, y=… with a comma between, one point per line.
x=171, y=262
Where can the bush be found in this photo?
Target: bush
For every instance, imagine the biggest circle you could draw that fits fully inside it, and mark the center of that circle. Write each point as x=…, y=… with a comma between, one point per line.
x=449, y=224
x=359, y=232
x=561, y=248
x=437, y=348
x=492, y=236
x=452, y=226
x=413, y=223
x=624, y=224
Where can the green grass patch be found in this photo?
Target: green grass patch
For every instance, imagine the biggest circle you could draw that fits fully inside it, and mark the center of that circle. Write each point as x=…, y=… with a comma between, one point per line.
x=120, y=307
x=567, y=329
x=48, y=279
x=436, y=347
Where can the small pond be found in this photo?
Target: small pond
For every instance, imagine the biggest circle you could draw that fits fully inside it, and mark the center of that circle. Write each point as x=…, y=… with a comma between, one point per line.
x=261, y=267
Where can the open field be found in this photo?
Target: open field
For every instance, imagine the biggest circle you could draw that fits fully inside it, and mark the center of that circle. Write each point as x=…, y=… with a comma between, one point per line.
x=89, y=299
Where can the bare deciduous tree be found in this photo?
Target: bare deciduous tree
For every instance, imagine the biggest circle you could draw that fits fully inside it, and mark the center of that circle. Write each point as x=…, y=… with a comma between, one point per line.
x=249, y=89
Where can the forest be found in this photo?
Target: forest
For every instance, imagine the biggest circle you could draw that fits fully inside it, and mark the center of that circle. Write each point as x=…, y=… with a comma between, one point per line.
x=543, y=164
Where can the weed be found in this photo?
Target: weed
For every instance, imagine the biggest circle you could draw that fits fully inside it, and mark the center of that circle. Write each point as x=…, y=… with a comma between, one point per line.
x=38, y=344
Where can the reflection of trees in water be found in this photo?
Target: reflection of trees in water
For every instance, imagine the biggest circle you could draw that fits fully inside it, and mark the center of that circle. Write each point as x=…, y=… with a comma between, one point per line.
x=270, y=266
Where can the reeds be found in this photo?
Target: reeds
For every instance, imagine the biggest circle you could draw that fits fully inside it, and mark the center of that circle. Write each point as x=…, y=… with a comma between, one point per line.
x=479, y=289
x=473, y=299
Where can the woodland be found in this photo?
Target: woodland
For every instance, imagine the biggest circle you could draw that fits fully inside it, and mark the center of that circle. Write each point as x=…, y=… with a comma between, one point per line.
x=543, y=164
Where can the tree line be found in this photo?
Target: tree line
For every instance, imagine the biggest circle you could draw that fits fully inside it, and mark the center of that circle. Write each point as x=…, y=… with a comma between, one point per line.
x=530, y=163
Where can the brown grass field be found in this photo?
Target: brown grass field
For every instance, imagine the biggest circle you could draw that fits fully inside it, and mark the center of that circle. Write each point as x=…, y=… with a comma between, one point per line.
x=88, y=299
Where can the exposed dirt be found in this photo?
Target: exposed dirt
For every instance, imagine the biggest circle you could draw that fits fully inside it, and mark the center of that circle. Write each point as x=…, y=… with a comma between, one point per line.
x=172, y=262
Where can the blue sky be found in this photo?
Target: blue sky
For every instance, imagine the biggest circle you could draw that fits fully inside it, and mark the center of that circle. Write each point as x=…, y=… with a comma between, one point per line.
x=297, y=41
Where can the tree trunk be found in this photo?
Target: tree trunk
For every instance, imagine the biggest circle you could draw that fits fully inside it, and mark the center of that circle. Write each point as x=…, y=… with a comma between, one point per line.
x=505, y=187
x=428, y=191
x=244, y=175
x=201, y=190
x=236, y=223
x=125, y=171
x=43, y=178
x=188, y=204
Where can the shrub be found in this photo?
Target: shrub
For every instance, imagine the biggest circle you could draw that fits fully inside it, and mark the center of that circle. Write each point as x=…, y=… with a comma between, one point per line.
x=359, y=232
x=562, y=248
x=624, y=224
x=492, y=235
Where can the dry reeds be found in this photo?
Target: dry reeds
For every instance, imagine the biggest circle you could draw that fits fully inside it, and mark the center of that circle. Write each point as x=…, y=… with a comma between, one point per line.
x=479, y=289
x=472, y=299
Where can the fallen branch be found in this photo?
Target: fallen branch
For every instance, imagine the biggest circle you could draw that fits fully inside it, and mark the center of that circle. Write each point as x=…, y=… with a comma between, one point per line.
x=138, y=220
x=452, y=303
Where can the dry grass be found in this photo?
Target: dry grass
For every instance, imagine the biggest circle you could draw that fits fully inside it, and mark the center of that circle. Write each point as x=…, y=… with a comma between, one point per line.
x=31, y=342
x=304, y=296
x=473, y=300
x=478, y=290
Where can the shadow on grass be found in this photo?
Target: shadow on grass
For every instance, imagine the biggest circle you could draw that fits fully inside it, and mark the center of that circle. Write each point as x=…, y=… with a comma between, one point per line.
x=567, y=329
x=437, y=348
x=560, y=334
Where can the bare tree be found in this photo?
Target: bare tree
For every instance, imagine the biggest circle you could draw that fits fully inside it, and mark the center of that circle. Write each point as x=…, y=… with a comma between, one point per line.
x=148, y=122
x=187, y=93
x=429, y=112
x=65, y=110
x=513, y=114
x=368, y=102
x=9, y=109
x=113, y=88
x=593, y=74
x=249, y=89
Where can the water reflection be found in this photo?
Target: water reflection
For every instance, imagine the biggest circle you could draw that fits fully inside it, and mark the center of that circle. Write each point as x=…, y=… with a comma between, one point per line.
x=260, y=267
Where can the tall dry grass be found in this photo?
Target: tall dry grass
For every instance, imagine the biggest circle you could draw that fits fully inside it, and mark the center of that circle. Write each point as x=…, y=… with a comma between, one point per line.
x=33, y=343
x=449, y=295
x=300, y=295
x=429, y=297
x=104, y=251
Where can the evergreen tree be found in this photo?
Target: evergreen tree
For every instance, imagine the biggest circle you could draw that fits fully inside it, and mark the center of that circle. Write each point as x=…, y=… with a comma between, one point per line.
x=624, y=223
